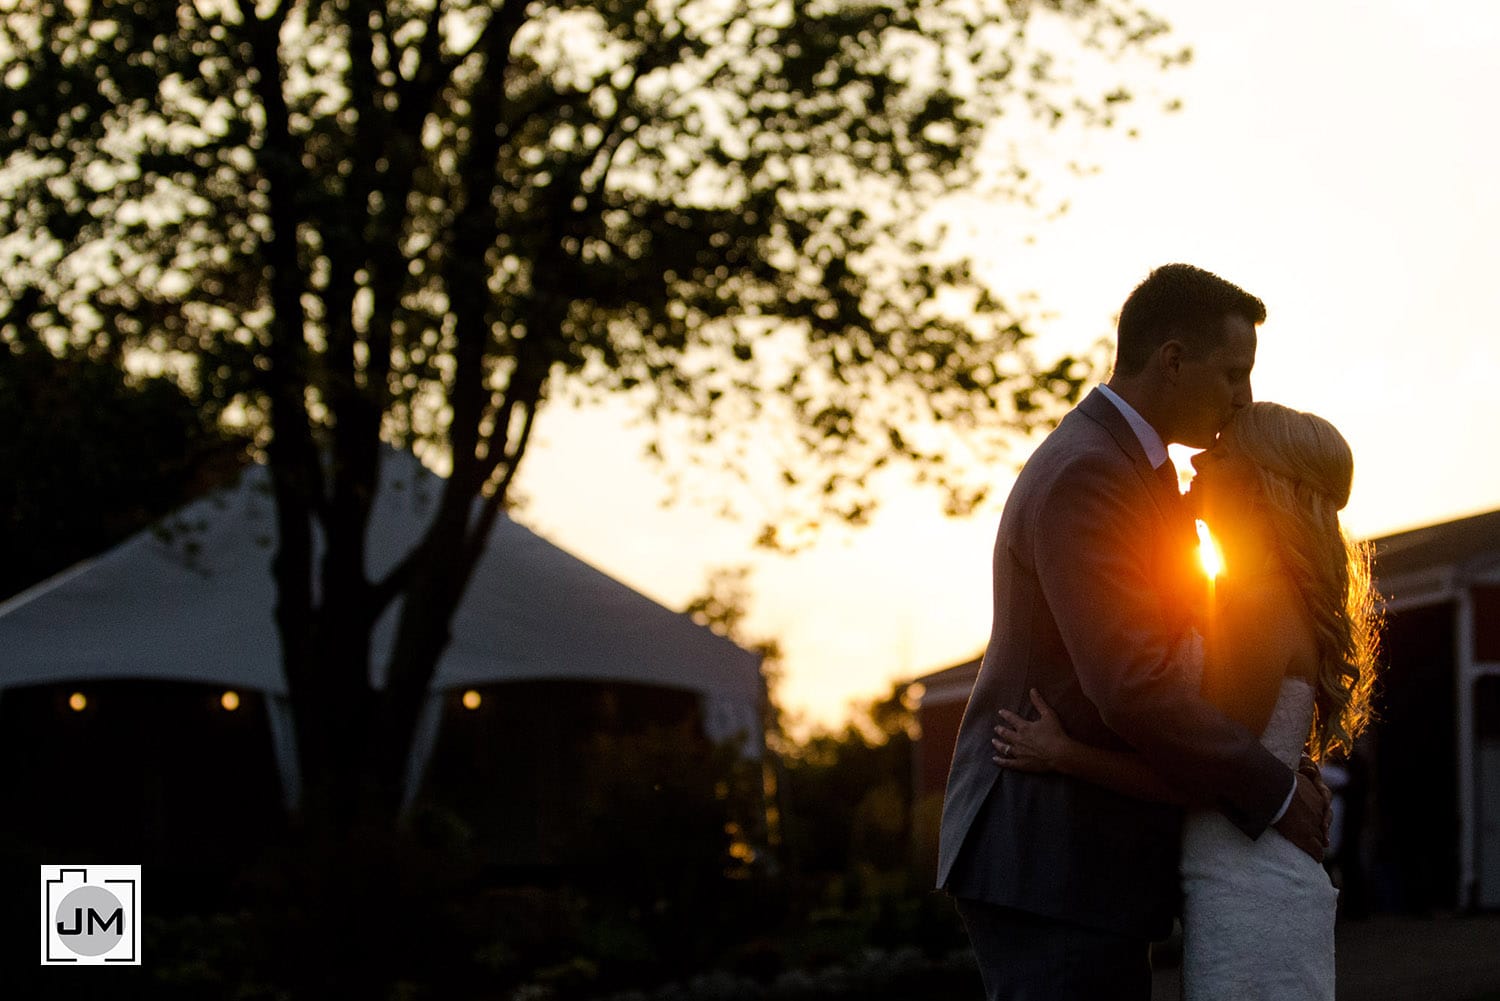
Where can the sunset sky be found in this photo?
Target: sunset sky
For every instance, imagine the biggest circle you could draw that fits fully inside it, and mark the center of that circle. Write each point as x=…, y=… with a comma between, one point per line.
x=1336, y=159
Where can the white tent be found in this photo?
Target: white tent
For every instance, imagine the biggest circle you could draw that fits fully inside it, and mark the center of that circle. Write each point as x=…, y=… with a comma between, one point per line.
x=192, y=600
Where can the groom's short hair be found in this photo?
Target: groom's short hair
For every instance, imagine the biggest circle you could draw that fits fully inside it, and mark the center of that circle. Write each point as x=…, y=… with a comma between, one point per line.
x=1183, y=303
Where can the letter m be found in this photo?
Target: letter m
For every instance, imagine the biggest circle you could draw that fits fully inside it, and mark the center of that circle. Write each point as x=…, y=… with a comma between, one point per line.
x=117, y=918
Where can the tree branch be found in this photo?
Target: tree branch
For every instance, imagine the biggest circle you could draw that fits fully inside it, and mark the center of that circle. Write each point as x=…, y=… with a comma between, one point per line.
x=295, y=471
x=494, y=503
x=429, y=56
x=355, y=462
x=415, y=99
x=494, y=40
x=474, y=233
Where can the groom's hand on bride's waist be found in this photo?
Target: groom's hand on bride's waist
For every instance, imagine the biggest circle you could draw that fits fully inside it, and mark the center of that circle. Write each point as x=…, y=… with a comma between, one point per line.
x=1306, y=821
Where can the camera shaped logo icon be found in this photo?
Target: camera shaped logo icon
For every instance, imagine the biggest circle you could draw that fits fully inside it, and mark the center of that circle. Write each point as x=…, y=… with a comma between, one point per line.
x=91, y=915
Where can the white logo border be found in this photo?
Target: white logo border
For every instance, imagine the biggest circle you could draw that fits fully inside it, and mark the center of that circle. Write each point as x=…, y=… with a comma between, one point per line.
x=121, y=881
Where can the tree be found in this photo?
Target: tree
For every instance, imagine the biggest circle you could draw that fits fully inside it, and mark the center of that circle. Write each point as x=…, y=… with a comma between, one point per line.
x=345, y=223
x=848, y=792
x=90, y=456
x=722, y=607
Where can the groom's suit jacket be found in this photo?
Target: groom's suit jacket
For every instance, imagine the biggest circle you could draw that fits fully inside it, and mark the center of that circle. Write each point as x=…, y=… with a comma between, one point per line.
x=1093, y=596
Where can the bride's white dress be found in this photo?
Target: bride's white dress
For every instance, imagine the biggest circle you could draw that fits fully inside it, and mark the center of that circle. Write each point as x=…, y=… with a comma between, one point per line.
x=1257, y=918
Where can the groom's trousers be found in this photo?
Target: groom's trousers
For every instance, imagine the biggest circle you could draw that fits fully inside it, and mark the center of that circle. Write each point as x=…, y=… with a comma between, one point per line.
x=1026, y=957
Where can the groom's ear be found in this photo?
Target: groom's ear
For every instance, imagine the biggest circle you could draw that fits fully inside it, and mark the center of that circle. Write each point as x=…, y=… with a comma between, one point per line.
x=1170, y=357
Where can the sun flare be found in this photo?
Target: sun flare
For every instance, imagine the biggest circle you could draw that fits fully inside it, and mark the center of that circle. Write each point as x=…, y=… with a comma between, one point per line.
x=1210, y=556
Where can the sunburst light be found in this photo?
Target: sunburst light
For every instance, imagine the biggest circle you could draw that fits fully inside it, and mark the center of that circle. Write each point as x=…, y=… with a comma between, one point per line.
x=1210, y=556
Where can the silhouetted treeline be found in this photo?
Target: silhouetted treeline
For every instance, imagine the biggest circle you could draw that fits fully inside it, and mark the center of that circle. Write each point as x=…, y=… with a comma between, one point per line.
x=90, y=454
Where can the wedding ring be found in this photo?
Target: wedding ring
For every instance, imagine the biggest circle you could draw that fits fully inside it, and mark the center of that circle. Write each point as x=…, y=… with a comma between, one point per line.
x=1004, y=750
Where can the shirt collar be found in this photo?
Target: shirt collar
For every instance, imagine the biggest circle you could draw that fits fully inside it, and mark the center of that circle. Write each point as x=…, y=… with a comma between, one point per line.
x=1155, y=448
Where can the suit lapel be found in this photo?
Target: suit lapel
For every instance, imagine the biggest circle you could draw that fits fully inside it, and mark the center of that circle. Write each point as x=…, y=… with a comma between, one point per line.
x=1098, y=408
x=1179, y=539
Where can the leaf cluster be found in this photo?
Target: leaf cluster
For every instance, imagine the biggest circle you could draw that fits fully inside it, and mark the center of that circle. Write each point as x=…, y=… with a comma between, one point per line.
x=417, y=219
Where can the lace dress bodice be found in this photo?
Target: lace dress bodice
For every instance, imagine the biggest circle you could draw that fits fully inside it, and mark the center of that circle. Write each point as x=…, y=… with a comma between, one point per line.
x=1257, y=915
x=1286, y=731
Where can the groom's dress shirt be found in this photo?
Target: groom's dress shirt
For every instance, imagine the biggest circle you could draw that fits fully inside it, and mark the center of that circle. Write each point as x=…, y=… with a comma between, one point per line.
x=1156, y=452
x=1156, y=449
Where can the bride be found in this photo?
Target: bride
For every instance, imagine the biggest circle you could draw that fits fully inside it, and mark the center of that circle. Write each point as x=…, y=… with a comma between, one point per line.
x=1289, y=640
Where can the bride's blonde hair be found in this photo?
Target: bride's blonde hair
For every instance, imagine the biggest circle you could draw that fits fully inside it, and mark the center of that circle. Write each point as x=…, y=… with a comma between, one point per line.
x=1305, y=469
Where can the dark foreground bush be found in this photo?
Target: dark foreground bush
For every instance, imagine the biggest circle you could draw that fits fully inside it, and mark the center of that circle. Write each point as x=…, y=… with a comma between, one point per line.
x=876, y=975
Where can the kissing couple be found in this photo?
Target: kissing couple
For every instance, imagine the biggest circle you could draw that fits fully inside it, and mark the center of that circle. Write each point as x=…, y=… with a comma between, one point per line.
x=1140, y=743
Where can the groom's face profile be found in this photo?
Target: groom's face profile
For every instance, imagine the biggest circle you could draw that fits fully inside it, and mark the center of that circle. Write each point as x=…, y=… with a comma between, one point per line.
x=1215, y=383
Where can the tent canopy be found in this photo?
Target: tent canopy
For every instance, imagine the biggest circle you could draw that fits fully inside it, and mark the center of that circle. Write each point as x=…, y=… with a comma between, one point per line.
x=192, y=599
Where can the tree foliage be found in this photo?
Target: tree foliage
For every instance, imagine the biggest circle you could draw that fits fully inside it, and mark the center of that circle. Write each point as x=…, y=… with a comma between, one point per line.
x=349, y=222
x=90, y=456
x=848, y=793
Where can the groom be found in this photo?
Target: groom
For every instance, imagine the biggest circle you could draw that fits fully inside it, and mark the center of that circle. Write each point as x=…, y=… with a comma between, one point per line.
x=1061, y=884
